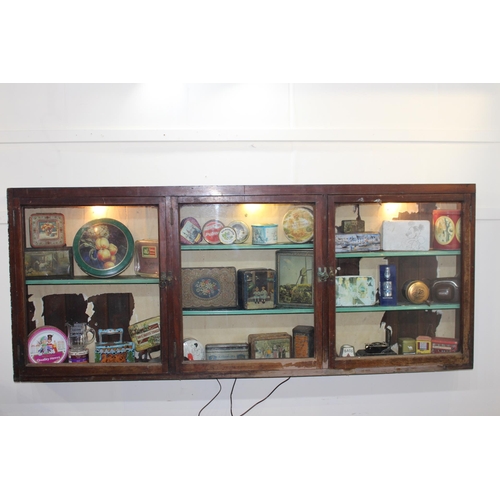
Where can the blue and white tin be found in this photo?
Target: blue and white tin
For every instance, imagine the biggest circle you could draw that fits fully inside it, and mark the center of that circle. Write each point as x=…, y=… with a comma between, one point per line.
x=264, y=234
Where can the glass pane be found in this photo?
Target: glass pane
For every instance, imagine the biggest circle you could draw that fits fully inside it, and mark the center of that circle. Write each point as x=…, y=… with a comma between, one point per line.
x=397, y=284
x=92, y=274
x=247, y=281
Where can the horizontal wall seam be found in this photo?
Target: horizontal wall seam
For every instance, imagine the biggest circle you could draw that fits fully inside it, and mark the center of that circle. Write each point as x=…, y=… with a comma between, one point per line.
x=276, y=135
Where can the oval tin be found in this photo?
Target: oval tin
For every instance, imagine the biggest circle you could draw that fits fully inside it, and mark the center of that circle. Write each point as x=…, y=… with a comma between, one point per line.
x=298, y=224
x=190, y=232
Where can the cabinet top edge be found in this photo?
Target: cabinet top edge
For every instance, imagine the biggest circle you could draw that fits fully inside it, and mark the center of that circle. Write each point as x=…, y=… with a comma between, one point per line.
x=243, y=190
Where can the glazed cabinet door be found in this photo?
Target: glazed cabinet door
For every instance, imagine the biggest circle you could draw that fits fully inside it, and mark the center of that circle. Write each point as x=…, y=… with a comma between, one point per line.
x=87, y=304
x=403, y=282
x=250, y=302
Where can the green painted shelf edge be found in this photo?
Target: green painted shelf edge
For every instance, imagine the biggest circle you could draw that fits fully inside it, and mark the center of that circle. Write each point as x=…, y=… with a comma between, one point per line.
x=404, y=307
x=430, y=253
x=244, y=312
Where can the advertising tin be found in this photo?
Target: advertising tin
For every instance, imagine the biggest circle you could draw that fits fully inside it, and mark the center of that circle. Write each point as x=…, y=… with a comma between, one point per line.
x=423, y=344
x=264, y=234
x=47, y=344
x=416, y=291
x=218, y=352
x=146, y=258
x=355, y=291
x=303, y=341
x=447, y=229
x=270, y=345
x=257, y=288
x=145, y=334
x=211, y=231
x=406, y=345
x=406, y=235
x=444, y=345
x=446, y=290
x=190, y=233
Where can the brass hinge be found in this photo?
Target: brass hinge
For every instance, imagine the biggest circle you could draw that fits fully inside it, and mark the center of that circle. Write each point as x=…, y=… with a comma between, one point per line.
x=165, y=279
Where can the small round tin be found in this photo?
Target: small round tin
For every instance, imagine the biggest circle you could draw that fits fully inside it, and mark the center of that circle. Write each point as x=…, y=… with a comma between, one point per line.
x=416, y=291
x=81, y=356
x=211, y=231
x=242, y=231
x=190, y=231
x=298, y=224
x=264, y=234
x=227, y=235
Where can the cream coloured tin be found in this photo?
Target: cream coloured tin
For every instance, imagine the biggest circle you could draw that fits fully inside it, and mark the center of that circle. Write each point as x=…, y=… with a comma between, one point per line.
x=264, y=234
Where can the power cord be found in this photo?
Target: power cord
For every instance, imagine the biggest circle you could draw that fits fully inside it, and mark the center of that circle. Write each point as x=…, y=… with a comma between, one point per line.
x=231, y=397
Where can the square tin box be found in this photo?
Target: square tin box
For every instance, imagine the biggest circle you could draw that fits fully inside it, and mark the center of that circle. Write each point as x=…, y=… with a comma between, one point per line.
x=47, y=230
x=257, y=288
x=116, y=351
x=145, y=334
x=406, y=235
x=209, y=288
x=355, y=291
x=295, y=278
x=444, y=345
x=406, y=345
x=303, y=341
x=218, y=352
x=270, y=345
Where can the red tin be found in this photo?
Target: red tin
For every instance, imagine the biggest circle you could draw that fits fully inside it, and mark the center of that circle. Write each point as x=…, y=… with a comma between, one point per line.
x=447, y=226
x=444, y=345
x=211, y=231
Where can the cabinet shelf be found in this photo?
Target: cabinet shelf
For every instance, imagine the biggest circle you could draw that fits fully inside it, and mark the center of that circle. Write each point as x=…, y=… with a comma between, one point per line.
x=277, y=246
x=244, y=312
x=120, y=280
x=384, y=255
x=402, y=307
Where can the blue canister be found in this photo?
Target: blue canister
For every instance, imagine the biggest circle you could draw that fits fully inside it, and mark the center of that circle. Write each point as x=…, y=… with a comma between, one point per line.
x=264, y=234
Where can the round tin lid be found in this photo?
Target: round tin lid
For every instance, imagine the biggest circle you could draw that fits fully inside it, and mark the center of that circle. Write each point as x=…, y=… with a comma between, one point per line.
x=103, y=248
x=190, y=231
x=193, y=350
x=298, y=224
x=242, y=231
x=227, y=235
x=211, y=230
x=417, y=292
x=47, y=344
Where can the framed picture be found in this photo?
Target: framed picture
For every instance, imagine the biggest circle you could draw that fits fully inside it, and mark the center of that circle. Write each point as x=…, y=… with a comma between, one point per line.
x=56, y=263
x=295, y=278
x=47, y=230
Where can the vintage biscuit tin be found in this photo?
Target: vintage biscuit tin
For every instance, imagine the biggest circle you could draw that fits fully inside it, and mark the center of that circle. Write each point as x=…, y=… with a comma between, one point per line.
x=242, y=231
x=446, y=290
x=295, y=278
x=355, y=291
x=211, y=230
x=270, y=345
x=303, y=341
x=264, y=234
x=257, y=288
x=114, y=351
x=444, y=345
x=416, y=291
x=298, y=224
x=190, y=233
x=423, y=344
x=145, y=334
x=406, y=345
x=218, y=352
x=406, y=235
x=447, y=229
x=47, y=344
x=357, y=242
x=47, y=230
x=227, y=235
x=146, y=258
x=209, y=288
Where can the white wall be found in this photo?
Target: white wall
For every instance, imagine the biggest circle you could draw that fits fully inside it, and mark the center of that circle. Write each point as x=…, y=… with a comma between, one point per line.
x=144, y=134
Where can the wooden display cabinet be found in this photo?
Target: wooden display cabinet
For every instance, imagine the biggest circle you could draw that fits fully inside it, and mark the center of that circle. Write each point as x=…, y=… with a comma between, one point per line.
x=269, y=300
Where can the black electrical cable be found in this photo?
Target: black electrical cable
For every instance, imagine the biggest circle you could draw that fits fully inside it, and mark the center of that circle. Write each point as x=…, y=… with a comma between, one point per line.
x=258, y=402
x=220, y=389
